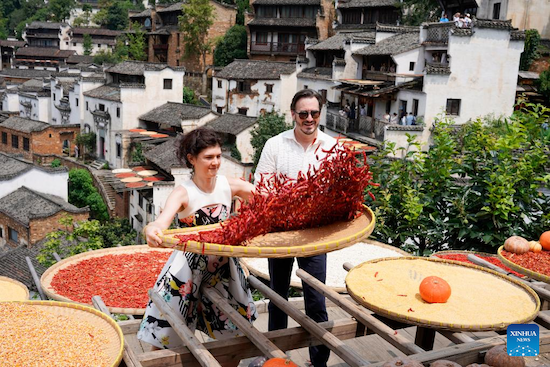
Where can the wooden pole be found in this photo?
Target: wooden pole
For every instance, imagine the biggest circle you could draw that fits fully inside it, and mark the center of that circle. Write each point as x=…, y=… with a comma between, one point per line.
x=371, y=322
x=100, y=305
x=265, y=345
x=187, y=336
x=336, y=345
x=35, y=278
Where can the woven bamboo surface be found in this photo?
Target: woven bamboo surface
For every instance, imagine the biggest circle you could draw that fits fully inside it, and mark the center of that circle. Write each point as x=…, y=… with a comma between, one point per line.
x=521, y=269
x=481, y=299
x=49, y=274
x=332, y=266
x=300, y=243
x=81, y=313
x=12, y=290
x=466, y=252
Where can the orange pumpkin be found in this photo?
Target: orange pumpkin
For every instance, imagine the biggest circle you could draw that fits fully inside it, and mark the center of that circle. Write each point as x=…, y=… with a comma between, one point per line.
x=517, y=245
x=545, y=240
x=278, y=362
x=435, y=290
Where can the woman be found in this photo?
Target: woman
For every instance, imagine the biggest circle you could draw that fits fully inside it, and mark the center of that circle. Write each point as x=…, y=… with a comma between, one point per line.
x=203, y=199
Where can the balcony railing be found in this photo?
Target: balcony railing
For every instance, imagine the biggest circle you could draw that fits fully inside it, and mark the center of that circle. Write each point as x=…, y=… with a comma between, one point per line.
x=378, y=75
x=438, y=32
x=278, y=47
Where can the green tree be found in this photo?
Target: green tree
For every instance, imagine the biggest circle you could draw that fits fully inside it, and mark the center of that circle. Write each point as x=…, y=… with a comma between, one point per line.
x=242, y=7
x=231, y=46
x=61, y=9
x=543, y=85
x=415, y=12
x=137, y=43
x=86, y=143
x=87, y=44
x=117, y=16
x=137, y=153
x=195, y=22
x=189, y=96
x=83, y=193
x=268, y=126
x=530, y=52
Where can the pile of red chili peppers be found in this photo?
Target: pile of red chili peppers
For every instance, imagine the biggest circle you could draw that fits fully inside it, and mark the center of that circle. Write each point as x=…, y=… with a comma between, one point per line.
x=332, y=192
x=492, y=259
x=120, y=280
x=538, y=262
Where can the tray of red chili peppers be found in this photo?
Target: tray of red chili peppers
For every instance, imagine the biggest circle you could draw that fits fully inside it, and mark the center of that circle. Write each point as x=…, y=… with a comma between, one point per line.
x=120, y=275
x=462, y=256
x=320, y=211
x=535, y=265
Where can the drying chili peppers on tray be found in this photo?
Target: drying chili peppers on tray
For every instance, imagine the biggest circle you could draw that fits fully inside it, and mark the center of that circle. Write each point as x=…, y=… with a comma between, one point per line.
x=492, y=259
x=539, y=262
x=121, y=280
x=333, y=192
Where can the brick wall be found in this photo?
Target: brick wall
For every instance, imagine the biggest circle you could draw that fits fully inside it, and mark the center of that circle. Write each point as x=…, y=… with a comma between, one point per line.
x=39, y=228
x=122, y=204
x=324, y=23
x=22, y=231
x=7, y=146
x=50, y=140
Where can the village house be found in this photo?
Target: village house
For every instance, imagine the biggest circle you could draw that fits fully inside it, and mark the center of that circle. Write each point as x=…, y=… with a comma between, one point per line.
x=357, y=15
x=7, y=52
x=27, y=216
x=34, y=100
x=102, y=39
x=236, y=133
x=17, y=172
x=131, y=89
x=165, y=41
x=173, y=117
x=254, y=87
x=279, y=28
x=31, y=138
x=45, y=58
x=45, y=34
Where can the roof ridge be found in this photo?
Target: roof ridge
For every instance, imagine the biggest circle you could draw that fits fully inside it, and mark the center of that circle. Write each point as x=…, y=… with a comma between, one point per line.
x=46, y=197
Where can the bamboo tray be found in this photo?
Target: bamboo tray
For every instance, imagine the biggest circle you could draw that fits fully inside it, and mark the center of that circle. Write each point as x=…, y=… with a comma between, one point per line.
x=466, y=252
x=12, y=290
x=300, y=243
x=49, y=274
x=79, y=313
x=521, y=269
x=481, y=299
x=335, y=272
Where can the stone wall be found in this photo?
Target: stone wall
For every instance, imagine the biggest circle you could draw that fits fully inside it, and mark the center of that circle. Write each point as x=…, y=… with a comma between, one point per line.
x=39, y=228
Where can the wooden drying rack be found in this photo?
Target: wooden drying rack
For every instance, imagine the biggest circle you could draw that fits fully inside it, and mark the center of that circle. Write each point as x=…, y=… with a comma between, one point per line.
x=332, y=333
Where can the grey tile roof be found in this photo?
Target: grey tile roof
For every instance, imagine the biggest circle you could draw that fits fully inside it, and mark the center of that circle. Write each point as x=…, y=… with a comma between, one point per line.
x=24, y=125
x=396, y=28
x=6, y=43
x=77, y=59
x=26, y=73
x=108, y=92
x=517, y=35
x=316, y=73
x=365, y=3
x=96, y=32
x=283, y=22
x=287, y=2
x=103, y=41
x=32, y=85
x=46, y=25
x=256, y=70
x=14, y=166
x=173, y=7
x=354, y=27
x=438, y=69
x=493, y=23
x=392, y=45
x=337, y=41
x=13, y=264
x=44, y=51
x=135, y=67
x=231, y=124
x=462, y=32
x=144, y=14
x=172, y=113
x=24, y=205
x=164, y=155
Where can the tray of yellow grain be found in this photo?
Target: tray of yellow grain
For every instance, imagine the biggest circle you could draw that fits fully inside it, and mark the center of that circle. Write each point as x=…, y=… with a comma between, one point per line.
x=298, y=243
x=12, y=290
x=481, y=299
x=49, y=333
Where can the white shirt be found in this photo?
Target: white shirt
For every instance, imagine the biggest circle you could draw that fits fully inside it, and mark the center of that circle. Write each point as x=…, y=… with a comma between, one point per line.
x=283, y=154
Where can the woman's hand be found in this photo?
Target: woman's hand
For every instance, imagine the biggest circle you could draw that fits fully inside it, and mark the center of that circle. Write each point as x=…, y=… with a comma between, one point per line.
x=152, y=232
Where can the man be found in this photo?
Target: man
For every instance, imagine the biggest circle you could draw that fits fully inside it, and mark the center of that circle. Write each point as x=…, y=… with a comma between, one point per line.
x=410, y=119
x=289, y=153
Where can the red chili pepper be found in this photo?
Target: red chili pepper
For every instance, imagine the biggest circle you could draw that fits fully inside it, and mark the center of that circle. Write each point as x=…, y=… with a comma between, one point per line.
x=375, y=274
x=410, y=310
x=395, y=332
x=402, y=295
x=379, y=280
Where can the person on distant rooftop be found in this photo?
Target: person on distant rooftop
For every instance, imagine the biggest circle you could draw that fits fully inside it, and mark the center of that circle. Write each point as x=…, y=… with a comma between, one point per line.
x=467, y=21
x=443, y=19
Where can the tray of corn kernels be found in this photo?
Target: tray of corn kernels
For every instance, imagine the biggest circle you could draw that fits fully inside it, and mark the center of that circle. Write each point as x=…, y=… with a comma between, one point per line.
x=12, y=290
x=49, y=333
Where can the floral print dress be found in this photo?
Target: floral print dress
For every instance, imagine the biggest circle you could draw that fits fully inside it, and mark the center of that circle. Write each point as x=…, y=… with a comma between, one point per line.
x=183, y=276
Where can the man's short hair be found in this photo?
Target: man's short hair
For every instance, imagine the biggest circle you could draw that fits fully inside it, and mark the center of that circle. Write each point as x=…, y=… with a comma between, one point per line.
x=306, y=93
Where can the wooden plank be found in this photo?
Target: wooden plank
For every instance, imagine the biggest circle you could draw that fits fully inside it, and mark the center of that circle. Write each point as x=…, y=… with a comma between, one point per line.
x=100, y=305
x=387, y=333
x=239, y=348
x=129, y=326
x=129, y=357
x=337, y=346
x=134, y=343
x=187, y=336
x=35, y=278
x=266, y=347
x=456, y=337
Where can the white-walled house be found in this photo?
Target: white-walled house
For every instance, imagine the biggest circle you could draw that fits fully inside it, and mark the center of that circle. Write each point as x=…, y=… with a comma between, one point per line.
x=253, y=87
x=102, y=39
x=236, y=130
x=132, y=89
x=177, y=117
x=34, y=100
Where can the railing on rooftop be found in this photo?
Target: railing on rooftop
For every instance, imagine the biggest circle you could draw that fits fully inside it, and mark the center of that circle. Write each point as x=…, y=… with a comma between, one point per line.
x=278, y=47
x=438, y=32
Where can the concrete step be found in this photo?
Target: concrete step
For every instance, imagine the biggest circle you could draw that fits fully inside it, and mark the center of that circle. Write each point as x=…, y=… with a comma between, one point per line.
x=97, y=164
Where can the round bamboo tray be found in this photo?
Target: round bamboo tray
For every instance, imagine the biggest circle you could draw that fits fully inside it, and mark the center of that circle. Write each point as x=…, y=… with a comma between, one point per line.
x=12, y=290
x=300, y=243
x=335, y=272
x=79, y=313
x=49, y=274
x=521, y=269
x=481, y=299
x=465, y=252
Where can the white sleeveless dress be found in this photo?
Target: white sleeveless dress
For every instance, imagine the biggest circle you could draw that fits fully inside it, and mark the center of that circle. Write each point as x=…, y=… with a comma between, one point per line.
x=185, y=272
